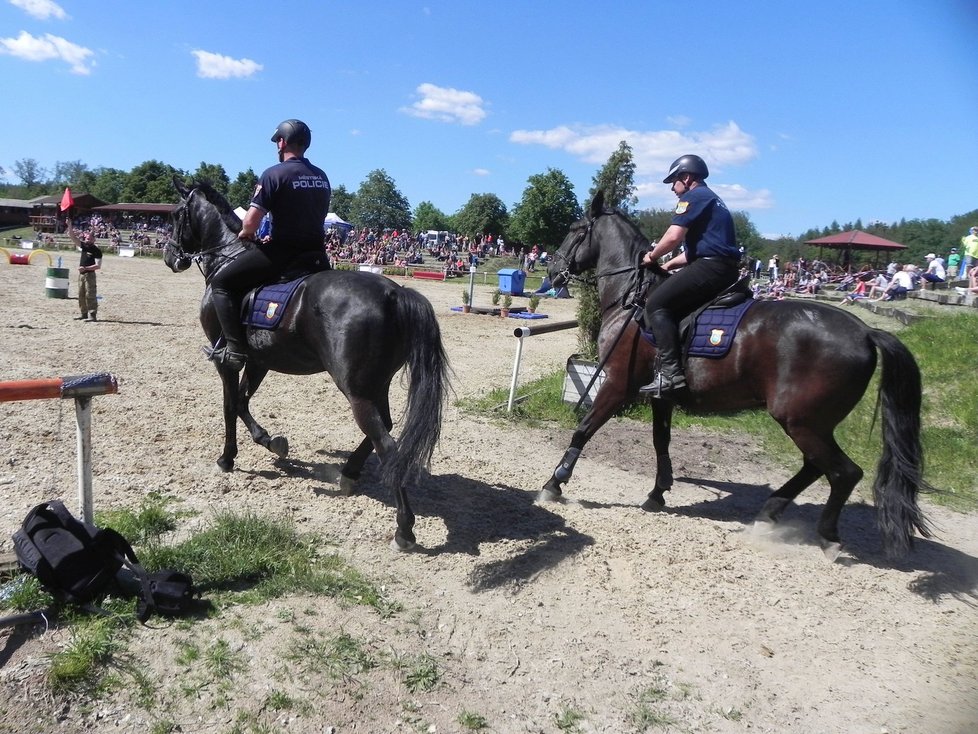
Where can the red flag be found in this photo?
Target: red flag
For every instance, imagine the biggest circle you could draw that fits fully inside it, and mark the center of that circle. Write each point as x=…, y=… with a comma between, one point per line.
x=66, y=201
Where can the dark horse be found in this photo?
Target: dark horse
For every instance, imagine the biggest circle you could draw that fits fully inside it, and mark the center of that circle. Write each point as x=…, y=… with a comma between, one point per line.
x=807, y=363
x=359, y=327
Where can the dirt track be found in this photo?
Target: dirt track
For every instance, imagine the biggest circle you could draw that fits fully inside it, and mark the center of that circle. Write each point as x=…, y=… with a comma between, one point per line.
x=531, y=612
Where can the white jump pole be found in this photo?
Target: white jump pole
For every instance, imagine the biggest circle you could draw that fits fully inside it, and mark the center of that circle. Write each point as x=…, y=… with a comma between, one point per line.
x=81, y=388
x=521, y=332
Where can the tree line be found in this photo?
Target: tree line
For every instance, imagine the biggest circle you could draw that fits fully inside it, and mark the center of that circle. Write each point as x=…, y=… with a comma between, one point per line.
x=542, y=217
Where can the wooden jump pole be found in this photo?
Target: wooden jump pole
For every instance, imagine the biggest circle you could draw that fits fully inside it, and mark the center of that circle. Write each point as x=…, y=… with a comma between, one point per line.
x=80, y=388
x=521, y=332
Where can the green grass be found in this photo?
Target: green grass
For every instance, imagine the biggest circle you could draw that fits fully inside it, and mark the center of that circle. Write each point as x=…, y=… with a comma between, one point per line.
x=946, y=349
x=472, y=721
x=233, y=559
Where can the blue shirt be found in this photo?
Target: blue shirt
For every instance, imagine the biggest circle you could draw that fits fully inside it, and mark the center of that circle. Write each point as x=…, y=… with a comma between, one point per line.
x=710, y=226
x=297, y=195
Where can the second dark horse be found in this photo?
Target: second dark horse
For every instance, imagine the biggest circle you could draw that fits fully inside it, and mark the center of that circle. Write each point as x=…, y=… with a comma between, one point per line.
x=359, y=327
x=807, y=363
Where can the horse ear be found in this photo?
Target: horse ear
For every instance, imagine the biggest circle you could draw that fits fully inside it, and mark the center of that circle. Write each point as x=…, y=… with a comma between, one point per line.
x=597, y=204
x=181, y=189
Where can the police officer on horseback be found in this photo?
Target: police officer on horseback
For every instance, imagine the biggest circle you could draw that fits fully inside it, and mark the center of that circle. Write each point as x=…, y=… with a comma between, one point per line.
x=296, y=195
x=709, y=265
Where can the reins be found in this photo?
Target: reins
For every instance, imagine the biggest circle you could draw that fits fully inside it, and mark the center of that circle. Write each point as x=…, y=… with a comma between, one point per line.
x=174, y=244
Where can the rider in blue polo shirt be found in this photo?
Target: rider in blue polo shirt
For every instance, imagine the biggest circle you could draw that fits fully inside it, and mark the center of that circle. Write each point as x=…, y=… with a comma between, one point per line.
x=296, y=195
x=709, y=265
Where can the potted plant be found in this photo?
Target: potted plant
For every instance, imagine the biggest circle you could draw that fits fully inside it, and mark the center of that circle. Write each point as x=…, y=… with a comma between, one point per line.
x=466, y=306
x=534, y=302
x=507, y=302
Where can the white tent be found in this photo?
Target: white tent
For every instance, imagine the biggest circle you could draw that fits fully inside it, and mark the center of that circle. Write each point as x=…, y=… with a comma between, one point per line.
x=334, y=220
x=240, y=211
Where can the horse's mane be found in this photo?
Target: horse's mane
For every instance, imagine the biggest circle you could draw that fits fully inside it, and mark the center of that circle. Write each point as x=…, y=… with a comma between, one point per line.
x=231, y=219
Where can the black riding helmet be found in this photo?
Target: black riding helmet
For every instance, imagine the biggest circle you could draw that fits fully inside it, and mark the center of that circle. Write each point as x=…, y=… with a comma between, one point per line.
x=293, y=132
x=687, y=164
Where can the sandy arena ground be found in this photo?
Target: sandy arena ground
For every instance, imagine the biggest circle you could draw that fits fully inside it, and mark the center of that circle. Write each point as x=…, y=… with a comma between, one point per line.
x=590, y=612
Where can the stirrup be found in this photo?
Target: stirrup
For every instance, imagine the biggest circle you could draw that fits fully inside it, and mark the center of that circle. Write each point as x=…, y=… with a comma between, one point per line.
x=663, y=386
x=224, y=355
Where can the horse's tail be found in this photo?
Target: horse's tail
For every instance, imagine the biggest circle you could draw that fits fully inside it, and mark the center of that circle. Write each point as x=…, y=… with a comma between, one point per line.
x=899, y=475
x=427, y=366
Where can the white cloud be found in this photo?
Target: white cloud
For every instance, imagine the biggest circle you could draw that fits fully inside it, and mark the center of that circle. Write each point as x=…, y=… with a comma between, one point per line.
x=723, y=146
x=40, y=9
x=480, y=171
x=48, y=47
x=216, y=66
x=447, y=105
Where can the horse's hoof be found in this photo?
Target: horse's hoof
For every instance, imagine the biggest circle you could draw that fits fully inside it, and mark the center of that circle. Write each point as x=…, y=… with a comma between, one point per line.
x=653, y=504
x=225, y=466
x=549, y=495
x=348, y=485
x=763, y=527
x=831, y=549
x=279, y=446
x=402, y=546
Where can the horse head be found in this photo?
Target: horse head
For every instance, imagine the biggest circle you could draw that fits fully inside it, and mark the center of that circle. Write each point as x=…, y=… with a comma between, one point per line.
x=203, y=222
x=604, y=239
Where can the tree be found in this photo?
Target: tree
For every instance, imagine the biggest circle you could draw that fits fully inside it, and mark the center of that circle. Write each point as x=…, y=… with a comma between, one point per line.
x=617, y=179
x=547, y=210
x=30, y=172
x=71, y=173
x=108, y=184
x=482, y=214
x=378, y=203
x=242, y=189
x=151, y=182
x=341, y=202
x=215, y=175
x=428, y=216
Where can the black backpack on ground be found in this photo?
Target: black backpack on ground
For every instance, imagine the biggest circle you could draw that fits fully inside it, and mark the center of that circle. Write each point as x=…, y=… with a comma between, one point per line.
x=77, y=561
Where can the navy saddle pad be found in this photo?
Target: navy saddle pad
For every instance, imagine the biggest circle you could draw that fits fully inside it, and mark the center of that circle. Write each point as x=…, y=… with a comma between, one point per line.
x=714, y=331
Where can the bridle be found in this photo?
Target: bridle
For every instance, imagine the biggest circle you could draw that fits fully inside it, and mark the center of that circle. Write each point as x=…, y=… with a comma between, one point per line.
x=174, y=245
x=585, y=236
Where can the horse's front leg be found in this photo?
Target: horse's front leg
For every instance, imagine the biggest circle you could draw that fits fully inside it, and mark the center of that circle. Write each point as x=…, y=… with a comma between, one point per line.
x=253, y=376
x=229, y=378
x=609, y=398
x=661, y=438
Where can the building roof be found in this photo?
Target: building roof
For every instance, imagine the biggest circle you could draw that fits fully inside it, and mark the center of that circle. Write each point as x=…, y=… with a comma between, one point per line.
x=856, y=239
x=136, y=207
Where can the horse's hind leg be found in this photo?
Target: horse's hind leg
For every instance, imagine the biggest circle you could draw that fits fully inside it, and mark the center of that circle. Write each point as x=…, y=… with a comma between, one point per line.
x=374, y=420
x=822, y=456
x=778, y=501
x=253, y=376
x=350, y=473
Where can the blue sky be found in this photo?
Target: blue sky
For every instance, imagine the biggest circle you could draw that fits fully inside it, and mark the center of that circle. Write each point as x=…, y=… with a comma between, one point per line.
x=806, y=113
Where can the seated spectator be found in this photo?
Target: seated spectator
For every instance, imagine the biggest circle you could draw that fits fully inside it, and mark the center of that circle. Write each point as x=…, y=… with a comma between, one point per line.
x=879, y=285
x=899, y=286
x=972, y=283
x=857, y=293
x=935, y=272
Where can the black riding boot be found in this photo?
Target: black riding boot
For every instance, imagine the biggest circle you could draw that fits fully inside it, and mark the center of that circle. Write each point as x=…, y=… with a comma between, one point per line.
x=670, y=378
x=233, y=354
